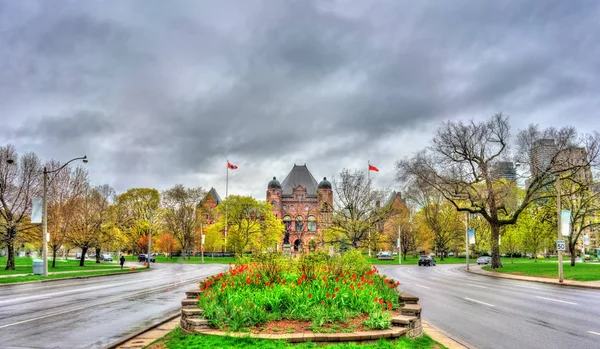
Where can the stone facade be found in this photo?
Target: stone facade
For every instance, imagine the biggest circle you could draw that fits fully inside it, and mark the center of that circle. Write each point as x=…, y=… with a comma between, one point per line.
x=304, y=207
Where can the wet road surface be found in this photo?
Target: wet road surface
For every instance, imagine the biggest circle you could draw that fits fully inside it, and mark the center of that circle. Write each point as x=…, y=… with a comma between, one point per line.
x=94, y=312
x=486, y=312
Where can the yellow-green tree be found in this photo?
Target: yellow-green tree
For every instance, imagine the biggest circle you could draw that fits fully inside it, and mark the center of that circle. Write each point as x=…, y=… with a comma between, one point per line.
x=213, y=239
x=251, y=224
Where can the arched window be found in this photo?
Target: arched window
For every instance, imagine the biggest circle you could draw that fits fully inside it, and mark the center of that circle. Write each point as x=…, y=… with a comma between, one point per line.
x=312, y=223
x=287, y=220
x=274, y=204
x=291, y=207
x=284, y=207
x=306, y=208
x=299, y=224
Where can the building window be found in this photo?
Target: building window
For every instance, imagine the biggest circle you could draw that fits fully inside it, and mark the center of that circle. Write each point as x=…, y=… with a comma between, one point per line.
x=287, y=220
x=291, y=207
x=284, y=207
x=299, y=224
x=312, y=223
x=306, y=208
x=274, y=204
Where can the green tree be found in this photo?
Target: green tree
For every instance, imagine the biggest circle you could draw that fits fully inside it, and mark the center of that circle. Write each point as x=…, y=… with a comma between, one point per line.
x=537, y=225
x=132, y=214
x=251, y=224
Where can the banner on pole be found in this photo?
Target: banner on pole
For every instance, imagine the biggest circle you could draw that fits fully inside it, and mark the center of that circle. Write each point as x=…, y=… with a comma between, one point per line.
x=36, y=210
x=586, y=239
x=471, y=233
x=565, y=222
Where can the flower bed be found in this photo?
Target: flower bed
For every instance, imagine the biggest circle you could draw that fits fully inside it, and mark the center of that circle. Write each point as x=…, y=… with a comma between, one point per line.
x=314, y=288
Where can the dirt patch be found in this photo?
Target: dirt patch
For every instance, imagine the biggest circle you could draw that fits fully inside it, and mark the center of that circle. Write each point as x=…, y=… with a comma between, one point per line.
x=297, y=326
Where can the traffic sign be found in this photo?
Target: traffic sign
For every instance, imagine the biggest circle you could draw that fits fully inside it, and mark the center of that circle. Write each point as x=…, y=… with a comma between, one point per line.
x=560, y=245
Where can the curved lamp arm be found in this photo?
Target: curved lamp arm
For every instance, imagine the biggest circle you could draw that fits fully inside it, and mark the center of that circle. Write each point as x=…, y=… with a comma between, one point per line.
x=84, y=158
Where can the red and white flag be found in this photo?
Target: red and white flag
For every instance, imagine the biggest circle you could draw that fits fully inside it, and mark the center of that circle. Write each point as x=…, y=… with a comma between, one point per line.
x=231, y=166
x=373, y=168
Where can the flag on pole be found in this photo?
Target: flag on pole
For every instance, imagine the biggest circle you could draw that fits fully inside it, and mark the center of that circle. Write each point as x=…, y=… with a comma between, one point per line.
x=231, y=166
x=373, y=168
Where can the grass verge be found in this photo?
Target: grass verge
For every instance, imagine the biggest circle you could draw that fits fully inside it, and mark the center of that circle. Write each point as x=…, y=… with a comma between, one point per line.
x=549, y=269
x=16, y=279
x=177, y=340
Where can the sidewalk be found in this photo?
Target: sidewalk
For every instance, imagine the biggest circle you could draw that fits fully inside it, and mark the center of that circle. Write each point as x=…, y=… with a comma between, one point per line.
x=476, y=269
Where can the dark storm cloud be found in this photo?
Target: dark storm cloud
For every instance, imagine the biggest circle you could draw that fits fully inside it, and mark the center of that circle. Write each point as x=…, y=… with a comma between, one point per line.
x=159, y=93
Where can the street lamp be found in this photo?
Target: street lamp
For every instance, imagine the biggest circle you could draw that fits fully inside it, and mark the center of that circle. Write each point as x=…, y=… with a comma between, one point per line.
x=45, y=210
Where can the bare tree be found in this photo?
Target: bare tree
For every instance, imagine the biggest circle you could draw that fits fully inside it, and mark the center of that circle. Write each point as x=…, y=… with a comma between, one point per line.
x=356, y=211
x=20, y=181
x=180, y=218
x=63, y=188
x=460, y=165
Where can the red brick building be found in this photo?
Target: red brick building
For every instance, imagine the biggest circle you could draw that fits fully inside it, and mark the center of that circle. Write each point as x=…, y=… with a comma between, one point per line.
x=303, y=205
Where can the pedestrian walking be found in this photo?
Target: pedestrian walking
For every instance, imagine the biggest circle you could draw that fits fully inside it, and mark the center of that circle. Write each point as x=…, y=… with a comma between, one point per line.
x=122, y=260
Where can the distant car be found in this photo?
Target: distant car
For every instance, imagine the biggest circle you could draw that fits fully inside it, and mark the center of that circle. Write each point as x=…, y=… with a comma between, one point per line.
x=484, y=260
x=384, y=256
x=144, y=257
x=426, y=260
x=106, y=257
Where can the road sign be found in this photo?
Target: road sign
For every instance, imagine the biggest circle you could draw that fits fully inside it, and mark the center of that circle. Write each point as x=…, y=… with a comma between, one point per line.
x=560, y=245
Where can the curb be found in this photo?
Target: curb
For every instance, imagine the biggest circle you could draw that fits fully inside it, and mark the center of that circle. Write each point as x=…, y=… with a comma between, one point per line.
x=71, y=278
x=443, y=338
x=142, y=331
x=572, y=283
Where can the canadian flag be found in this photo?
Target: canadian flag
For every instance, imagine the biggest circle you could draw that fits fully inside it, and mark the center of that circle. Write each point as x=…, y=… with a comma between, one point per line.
x=373, y=168
x=231, y=166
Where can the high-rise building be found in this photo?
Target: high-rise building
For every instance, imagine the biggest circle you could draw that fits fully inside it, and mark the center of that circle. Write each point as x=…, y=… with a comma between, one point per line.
x=303, y=205
x=542, y=156
x=504, y=170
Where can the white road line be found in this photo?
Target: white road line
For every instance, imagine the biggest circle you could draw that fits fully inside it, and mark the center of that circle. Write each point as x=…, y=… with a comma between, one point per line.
x=476, y=301
x=555, y=300
x=437, y=271
x=429, y=288
x=477, y=286
x=596, y=333
x=531, y=287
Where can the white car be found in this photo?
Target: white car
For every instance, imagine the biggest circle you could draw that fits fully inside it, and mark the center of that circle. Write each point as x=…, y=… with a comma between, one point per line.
x=484, y=260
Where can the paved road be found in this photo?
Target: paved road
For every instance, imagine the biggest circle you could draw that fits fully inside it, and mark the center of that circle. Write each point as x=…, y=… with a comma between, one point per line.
x=485, y=312
x=94, y=312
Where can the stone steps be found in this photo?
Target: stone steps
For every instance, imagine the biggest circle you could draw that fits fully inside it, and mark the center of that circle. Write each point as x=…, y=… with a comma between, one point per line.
x=403, y=320
x=408, y=298
x=193, y=293
x=411, y=310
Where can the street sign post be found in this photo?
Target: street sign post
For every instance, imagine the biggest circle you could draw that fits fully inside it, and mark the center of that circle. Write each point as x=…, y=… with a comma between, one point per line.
x=561, y=246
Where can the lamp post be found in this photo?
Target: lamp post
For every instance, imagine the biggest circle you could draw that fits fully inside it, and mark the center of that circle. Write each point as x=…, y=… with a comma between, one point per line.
x=45, y=210
x=559, y=235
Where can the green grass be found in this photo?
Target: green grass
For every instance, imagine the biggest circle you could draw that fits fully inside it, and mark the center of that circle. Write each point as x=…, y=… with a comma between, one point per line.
x=177, y=340
x=549, y=269
x=195, y=260
x=16, y=279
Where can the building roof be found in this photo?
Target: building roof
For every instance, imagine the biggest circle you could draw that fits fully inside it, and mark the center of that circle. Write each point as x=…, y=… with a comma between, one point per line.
x=274, y=184
x=299, y=175
x=325, y=184
x=215, y=196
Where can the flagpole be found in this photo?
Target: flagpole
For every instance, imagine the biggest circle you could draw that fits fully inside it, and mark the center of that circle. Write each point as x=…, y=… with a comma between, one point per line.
x=226, y=192
x=369, y=198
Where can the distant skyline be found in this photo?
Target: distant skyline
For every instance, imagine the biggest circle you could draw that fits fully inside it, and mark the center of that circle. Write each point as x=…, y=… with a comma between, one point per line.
x=157, y=93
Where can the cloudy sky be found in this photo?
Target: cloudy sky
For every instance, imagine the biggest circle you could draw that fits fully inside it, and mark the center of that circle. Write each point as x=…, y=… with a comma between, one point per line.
x=163, y=92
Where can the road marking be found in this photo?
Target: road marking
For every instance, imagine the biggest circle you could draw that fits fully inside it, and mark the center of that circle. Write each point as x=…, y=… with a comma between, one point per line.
x=429, y=288
x=476, y=301
x=596, y=333
x=531, y=287
x=555, y=300
x=477, y=285
x=434, y=278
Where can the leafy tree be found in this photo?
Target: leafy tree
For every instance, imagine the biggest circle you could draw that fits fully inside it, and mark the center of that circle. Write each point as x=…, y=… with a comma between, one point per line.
x=179, y=213
x=213, y=241
x=20, y=181
x=358, y=212
x=251, y=224
x=166, y=243
x=133, y=210
x=460, y=162
x=511, y=241
x=537, y=225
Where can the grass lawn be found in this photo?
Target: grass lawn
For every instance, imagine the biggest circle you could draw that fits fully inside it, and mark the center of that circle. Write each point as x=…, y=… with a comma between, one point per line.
x=178, y=340
x=549, y=269
x=23, y=265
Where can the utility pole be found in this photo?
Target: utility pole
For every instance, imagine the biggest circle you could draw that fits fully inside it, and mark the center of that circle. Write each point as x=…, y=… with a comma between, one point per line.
x=559, y=235
x=399, y=244
x=467, y=237
x=149, y=240
x=202, y=242
x=45, y=224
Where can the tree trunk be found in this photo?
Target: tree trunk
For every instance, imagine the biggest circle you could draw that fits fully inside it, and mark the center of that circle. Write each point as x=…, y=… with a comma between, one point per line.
x=54, y=257
x=82, y=260
x=98, y=255
x=572, y=258
x=496, y=262
x=10, y=258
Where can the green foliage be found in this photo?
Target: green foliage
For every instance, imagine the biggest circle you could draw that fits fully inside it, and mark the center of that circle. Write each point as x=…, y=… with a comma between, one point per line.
x=177, y=340
x=378, y=320
x=339, y=289
x=271, y=265
x=309, y=263
x=549, y=269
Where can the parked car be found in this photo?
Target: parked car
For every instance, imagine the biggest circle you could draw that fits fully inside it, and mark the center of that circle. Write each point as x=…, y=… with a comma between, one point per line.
x=385, y=256
x=106, y=257
x=484, y=260
x=426, y=260
x=144, y=257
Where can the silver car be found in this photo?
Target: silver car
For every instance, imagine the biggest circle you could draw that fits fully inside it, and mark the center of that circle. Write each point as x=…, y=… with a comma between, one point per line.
x=484, y=260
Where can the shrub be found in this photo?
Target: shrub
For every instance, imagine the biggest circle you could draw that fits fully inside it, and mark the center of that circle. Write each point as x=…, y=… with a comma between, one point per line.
x=335, y=291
